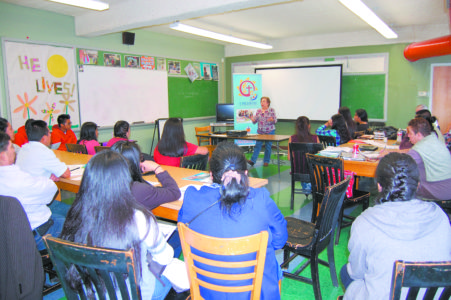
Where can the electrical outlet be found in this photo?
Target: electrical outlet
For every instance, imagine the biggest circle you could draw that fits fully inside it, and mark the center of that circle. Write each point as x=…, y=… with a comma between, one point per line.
x=422, y=93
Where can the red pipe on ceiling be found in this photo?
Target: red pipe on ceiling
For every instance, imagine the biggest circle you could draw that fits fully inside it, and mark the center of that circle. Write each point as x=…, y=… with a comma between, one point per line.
x=435, y=47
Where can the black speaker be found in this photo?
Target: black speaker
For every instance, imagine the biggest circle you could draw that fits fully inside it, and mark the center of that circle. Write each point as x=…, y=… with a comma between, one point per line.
x=128, y=38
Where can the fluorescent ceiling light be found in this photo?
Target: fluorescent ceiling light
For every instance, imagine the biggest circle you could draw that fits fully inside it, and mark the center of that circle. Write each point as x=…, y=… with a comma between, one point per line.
x=367, y=15
x=217, y=36
x=91, y=4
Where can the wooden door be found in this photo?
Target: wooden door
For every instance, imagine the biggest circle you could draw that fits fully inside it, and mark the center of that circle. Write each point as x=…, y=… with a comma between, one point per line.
x=441, y=95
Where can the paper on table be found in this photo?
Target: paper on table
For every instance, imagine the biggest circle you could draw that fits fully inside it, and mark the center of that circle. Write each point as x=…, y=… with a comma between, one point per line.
x=166, y=229
x=76, y=171
x=183, y=190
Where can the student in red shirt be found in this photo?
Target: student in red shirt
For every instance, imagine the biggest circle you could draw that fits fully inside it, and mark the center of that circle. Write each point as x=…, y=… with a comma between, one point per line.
x=62, y=133
x=173, y=146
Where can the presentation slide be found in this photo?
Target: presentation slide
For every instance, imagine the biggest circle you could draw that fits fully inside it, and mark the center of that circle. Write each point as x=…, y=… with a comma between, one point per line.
x=312, y=91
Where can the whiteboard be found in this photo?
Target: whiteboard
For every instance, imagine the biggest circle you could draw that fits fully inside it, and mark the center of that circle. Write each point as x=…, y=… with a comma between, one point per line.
x=312, y=91
x=109, y=94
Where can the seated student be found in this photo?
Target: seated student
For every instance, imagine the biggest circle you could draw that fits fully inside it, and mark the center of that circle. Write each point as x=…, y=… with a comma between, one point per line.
x=88, y=136
x=230, y=208
x=339, y=129
x=433, y=160
x=172, y=145
x=36, y=158
x=106, y=214
x=62, y=133
x=346, y=113
x=33, y=192
x=398, y=227
x=6, y=127
x=303, y=134
x=21, y=135
x=361, y=118
x=145, y=193
x=121, y=132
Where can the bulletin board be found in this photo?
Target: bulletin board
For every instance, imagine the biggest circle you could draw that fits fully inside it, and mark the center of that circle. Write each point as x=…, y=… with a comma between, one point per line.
x=41, y=82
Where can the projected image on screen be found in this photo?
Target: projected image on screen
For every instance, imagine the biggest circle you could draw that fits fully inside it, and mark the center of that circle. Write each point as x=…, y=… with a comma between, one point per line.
x=312, y=91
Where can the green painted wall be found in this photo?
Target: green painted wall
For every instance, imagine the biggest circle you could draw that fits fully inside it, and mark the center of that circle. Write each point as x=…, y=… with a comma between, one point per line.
x=23, y=23
x=405, y=78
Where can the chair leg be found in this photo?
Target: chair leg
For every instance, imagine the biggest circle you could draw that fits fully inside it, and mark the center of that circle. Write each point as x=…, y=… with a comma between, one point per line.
x=331, y=259
x=314, y=210
x=292, y=195
x=340, y=220
x=315, y=276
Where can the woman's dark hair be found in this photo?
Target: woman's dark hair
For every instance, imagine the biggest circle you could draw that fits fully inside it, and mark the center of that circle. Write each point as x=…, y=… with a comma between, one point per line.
x=361, y=113
x=172, y=142
x=346, y=113
x=132, y=154
x=103, y=213
x=121, y=129
x=302, y=129
x=228, y=157
x=339, y=124
x=426, y=114
x=398, y=176
x=88, y=132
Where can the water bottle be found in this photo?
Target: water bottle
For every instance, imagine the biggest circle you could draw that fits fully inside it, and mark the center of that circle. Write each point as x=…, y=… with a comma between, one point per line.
x=399, y=136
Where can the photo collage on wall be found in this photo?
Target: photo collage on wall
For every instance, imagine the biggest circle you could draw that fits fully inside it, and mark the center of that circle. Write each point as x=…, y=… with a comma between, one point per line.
x=194, y=70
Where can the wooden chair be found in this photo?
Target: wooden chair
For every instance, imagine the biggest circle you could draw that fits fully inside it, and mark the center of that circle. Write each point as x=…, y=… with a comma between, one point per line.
x=299, y=166
x=256, y=243
x=201, y=139
x=100, y=148
x=416, y=275
x=195, y=162
x=210, y=148
x=309, y=239
x=327, y=140
x=323, y=170
x=106, y=269
x=77, y=148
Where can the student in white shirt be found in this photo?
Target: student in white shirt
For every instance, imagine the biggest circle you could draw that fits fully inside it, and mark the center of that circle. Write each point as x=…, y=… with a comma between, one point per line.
x=33, y=192
x=36, y=158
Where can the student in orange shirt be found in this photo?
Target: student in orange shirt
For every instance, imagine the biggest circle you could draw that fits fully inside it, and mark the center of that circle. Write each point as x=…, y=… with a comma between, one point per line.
x=62, y=133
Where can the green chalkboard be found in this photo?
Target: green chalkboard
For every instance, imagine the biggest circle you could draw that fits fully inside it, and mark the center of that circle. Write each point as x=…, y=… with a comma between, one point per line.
x=192, y=99
x=364, y=91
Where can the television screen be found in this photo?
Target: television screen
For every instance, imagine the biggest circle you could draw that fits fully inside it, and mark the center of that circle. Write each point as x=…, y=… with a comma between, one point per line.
x=224, y=113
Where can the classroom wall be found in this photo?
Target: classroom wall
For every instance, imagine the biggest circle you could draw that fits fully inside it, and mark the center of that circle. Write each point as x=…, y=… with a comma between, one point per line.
x=405, y=79
x=17, y=22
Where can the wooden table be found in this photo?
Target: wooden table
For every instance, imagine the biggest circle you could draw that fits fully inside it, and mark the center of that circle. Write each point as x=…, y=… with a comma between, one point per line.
x=363, y=168
x=168, y=210
x=277, y=138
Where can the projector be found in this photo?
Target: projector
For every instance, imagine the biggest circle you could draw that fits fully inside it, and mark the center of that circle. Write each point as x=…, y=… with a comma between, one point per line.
x=236, y=133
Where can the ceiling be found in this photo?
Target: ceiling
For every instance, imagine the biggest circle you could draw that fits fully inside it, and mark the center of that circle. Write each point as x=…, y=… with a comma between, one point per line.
x=307, y=23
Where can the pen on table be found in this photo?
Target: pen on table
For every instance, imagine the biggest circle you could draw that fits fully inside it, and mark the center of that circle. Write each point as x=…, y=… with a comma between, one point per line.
x=75, y=169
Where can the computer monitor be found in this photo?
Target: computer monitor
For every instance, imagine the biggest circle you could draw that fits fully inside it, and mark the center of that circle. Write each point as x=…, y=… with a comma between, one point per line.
x=224, y=113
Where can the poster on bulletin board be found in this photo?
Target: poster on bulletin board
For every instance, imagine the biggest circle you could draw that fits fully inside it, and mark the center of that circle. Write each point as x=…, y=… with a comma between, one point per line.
x=41, y=82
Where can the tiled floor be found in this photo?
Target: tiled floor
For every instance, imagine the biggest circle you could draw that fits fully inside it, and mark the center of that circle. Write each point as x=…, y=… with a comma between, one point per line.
x=279, y=187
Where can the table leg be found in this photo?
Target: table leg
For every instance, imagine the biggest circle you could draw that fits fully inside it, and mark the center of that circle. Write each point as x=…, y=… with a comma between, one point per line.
x=278, y=158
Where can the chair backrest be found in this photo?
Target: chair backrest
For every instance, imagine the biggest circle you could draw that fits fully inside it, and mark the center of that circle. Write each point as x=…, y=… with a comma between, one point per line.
x=195, y=162
x=327, y=140
x=299, y=166
x=324, y=171
x=242, y=270
x=106, y=269
x=77, y=148
x=201, y=139
x=416, y=275
x=100, y=148
x=21, y=271
x=329, y=212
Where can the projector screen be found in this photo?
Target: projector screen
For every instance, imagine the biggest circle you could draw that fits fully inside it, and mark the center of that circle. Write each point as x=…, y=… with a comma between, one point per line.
x=312, y=91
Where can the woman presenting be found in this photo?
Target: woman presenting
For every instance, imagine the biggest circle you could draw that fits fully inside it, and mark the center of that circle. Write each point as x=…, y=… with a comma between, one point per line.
x=266, y=118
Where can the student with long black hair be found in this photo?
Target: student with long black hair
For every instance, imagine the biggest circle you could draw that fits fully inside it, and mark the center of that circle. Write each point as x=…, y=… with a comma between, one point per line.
x=230, y=208
x=88, y=137
x=106, y=214
x=172, y=145
x=339, y=129
x=346, y=113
